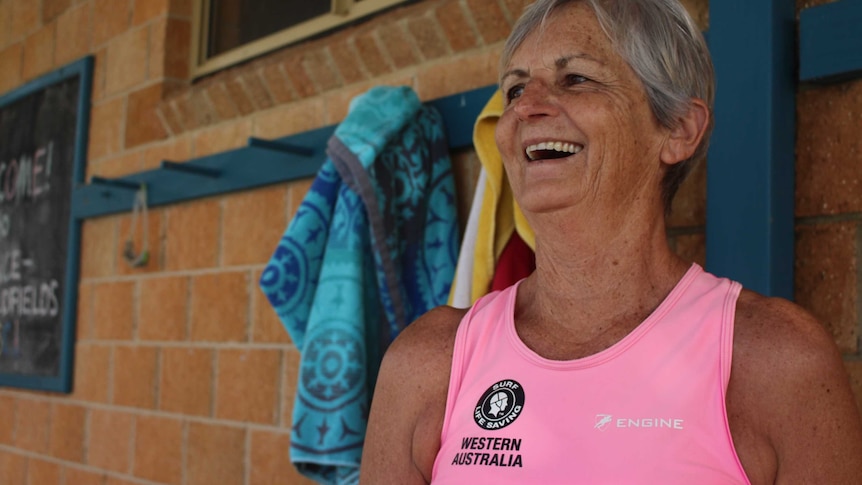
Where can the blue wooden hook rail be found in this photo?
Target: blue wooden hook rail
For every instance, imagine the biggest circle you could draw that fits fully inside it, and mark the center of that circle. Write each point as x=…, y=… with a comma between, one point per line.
x=261, y=162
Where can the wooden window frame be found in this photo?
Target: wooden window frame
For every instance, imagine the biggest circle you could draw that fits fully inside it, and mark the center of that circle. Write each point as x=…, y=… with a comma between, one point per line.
x=342, y=12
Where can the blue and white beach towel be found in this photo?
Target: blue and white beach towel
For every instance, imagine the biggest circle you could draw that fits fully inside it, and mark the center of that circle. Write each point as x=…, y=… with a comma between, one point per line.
x=372, y=247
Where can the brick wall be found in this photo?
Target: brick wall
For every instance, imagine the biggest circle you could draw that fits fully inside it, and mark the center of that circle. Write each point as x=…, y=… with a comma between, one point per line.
x=162, y=392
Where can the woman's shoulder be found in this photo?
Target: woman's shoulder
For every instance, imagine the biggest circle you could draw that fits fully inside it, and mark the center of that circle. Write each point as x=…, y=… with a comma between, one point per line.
x=790, y=393
x=429, y=340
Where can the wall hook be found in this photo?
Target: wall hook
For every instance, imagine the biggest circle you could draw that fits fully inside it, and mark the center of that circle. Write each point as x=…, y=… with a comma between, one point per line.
x=280, y=146
x=121, y=183
x=191, y=168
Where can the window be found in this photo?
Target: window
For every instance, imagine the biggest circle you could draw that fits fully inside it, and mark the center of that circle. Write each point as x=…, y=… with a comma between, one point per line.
x=227, y=32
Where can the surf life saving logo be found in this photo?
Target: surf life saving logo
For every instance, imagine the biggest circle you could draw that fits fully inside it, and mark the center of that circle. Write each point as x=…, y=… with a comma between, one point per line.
x=500, y=405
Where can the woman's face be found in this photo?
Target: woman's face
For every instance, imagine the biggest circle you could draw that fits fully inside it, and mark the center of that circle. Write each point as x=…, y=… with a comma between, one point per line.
x=577, y=130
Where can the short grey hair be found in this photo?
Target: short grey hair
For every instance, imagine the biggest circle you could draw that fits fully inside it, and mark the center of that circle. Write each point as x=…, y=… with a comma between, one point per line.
x=665, y=49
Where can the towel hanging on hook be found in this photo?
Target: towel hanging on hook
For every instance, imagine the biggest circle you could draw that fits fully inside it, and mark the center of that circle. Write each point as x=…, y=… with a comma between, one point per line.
x=139, y=205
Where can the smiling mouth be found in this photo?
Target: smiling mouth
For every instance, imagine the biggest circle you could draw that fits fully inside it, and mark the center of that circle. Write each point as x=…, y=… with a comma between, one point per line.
x=552, y=150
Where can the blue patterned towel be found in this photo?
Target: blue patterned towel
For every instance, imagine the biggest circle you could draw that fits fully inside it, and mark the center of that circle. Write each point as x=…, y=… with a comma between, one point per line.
x=372, y=247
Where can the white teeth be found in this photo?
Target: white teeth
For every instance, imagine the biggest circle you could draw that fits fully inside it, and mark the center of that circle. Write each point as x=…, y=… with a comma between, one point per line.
x=558, y=146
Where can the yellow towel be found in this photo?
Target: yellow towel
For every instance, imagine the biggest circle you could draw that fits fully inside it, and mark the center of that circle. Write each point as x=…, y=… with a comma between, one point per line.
x=500, y=214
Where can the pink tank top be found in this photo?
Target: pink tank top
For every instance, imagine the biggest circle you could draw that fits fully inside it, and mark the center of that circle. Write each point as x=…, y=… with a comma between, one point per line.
x=648, y=410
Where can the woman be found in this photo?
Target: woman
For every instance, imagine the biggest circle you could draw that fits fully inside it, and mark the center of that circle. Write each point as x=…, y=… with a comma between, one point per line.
x=615, y=361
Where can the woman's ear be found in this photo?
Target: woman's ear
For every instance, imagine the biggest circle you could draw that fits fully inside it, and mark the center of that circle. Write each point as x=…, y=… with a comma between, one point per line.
x=686, y=136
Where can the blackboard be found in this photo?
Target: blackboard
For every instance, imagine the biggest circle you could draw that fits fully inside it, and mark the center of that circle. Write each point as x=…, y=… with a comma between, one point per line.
x=43, y=138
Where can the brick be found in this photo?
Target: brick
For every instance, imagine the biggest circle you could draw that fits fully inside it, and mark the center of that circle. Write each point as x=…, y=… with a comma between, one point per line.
x=8, y=405
x=347, y=61
x=106, y=126
x=294, y=67
x=26, y=18
x=159, y=449
x=13, y=468
x=68, y=428
x=265, y=324
x=196, y=110
x=338, y=102
x=135, y=376
x=289, y=119
x=78, y=476
x=270, y=463
x=215, y=455
x=689, y=205
x=39, y=52
x=170, y=118
x=319, y=67
x=257, y=92
x=219, y=307
x=32, y=427
x=97, y=246
x=117, y=166
x=371, y=55
x=239, y=398
x=826, y=281
x=289, y=385
x=73, y=34
x=691, y=247
x=109, y=441
x=113, y=310
x=254, y=221
x=458, y=31
x=239, y=96
x=142, y=123
x=170, y=46
x=181, y=8
x=276, y=82
x=99, y=73
x=10, y=65
x=185, y=385
x=428, y=37
x=222, y=101
x=296, y=194
x=516, y=8
x=92, y=372
x=489, y=19
x=190, y=234
x=52, y=9
x=154, y=222
x=854, y=370
x=110, y=18
x=5, y=24
x=176, y=149
x=114, y=480
x=127, y=61
x=699, y=11
x=220, y=138
x=398, y=44
x=42, y=472
x=163, y=309
x=462, y=74
x=145, y=11
x=828, y=179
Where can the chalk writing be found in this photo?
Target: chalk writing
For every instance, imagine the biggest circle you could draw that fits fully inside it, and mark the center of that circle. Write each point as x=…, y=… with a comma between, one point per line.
x=28, y=176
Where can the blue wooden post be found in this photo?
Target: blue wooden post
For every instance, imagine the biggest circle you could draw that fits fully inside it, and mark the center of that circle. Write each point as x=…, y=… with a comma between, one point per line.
x=750, y=171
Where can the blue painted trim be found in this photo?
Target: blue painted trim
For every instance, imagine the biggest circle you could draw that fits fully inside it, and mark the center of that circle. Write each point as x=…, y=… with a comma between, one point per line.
x=751, y=161
x=262, y=162
x=82, y=68
x=830, y=41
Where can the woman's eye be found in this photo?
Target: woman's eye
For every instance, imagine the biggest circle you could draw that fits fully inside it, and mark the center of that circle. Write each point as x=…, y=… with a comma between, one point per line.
x=514, y=92
x=574, y=79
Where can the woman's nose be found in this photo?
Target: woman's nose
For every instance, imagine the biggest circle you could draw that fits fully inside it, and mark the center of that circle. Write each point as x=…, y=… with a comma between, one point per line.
x=536, y=99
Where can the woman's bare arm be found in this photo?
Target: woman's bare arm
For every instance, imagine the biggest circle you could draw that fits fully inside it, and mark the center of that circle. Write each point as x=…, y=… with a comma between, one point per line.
x=406, y=416
x=790, y=395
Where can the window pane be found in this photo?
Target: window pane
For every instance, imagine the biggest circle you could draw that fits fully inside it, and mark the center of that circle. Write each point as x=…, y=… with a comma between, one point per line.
x=237, y=22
